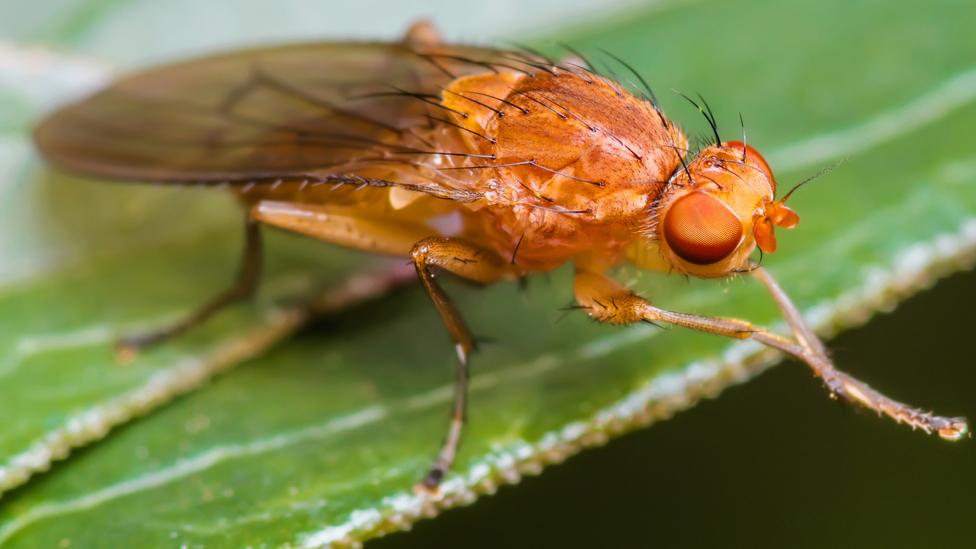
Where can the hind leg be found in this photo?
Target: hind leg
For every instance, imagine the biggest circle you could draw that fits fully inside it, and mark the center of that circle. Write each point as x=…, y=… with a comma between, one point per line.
x=244, y=287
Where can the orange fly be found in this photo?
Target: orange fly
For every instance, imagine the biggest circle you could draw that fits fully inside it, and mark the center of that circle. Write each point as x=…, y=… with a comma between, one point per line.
x=488, y=164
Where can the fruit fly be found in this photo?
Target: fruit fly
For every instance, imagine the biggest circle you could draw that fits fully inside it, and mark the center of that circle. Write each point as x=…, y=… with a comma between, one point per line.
x=488, y=164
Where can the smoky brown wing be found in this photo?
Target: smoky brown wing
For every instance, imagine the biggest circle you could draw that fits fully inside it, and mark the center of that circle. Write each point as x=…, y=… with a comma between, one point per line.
x=294, y=111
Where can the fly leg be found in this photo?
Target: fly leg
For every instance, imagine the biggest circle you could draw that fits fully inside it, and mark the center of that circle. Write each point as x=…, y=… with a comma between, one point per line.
x=606, y=301
x=843, y=384
x=477, y=265
x=337, y=226
x=243, y=288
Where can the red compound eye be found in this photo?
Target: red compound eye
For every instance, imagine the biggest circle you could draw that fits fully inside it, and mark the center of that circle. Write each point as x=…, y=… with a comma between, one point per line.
x=701, y=229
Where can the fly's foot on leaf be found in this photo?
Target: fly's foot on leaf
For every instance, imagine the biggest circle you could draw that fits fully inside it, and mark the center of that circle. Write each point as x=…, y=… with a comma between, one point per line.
x=431, y=484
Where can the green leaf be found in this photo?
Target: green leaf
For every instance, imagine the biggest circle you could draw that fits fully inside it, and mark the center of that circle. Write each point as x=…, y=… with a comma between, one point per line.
x=321, y=440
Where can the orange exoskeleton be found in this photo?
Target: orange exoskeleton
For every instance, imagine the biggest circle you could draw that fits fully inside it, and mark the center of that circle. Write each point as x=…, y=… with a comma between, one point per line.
x=489, y=164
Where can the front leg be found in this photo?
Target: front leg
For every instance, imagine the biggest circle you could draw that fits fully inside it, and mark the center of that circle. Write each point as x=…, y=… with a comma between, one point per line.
x=607, y=301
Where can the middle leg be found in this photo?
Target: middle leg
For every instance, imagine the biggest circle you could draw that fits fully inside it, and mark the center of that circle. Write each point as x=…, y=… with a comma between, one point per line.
x=427, y=252
x=471, y=263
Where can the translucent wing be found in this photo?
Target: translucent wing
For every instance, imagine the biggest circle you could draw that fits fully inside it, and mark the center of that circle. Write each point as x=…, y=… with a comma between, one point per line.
x=298, y=111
